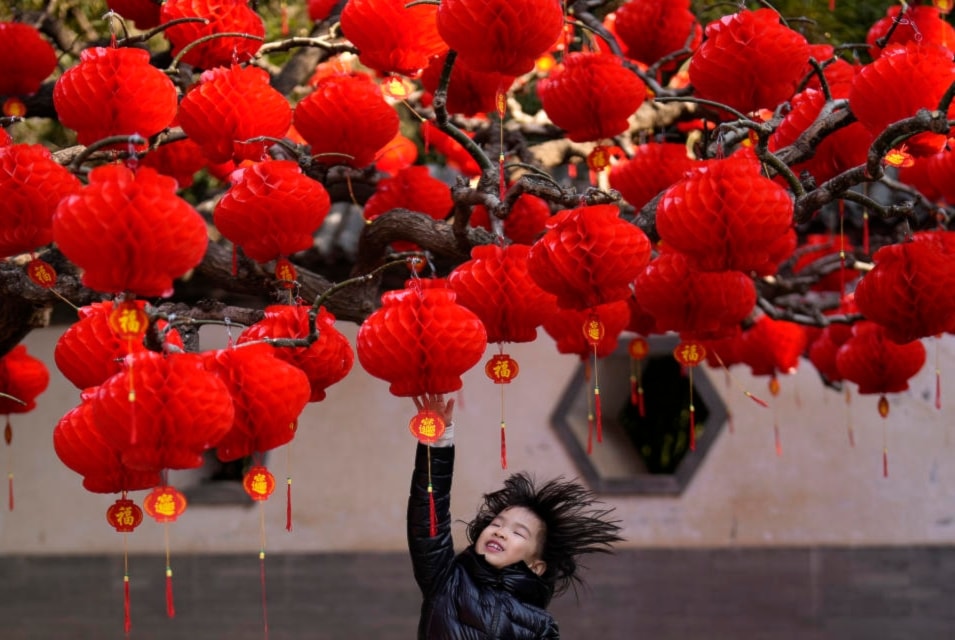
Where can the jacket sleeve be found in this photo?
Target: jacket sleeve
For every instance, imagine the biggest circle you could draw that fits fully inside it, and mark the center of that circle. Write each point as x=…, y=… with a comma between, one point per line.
x=431, y=557
x=553, y=631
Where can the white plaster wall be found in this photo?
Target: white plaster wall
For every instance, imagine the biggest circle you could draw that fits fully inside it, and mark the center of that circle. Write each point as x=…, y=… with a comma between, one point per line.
x=351, y=458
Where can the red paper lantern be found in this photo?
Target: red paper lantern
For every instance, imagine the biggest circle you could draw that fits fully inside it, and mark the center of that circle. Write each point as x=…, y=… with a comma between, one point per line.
x=565, y=326
x=26, y=59
x=524, y=223
x=23, y=377
x=80, y=446
x=652, y=29
x=921, y=24
x=901, y=81
x=129, y=231
x=470, y=93
x=495, y=284
x=114, y=92
x=876, y=363
x=421, y=340
x=124, y=515
x=268, y=395
x=909, y=291
x=145, y=13
x=392, y=38
x=588, y=256
x=427, y=426
x=568, y=96
x=272, y=209
x=413, y=188
x=501, y=368
x=33, y=184
x=398, y=154
x=177, y=411
x=749, y=61
x=346, y=120
x=773, y=346
x=725, y=215
x=498, y=35
x=325, y=362
x=696, y=304
x=218, y=17
x=259, y=483
x=456, y=156
x=165, y=504
x=653, y=167
x=179, y=160
x=319, y=10
x=823, y=350
x=231, y=105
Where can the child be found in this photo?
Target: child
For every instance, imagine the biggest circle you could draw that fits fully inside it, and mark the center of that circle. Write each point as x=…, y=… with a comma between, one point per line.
x=524, y=543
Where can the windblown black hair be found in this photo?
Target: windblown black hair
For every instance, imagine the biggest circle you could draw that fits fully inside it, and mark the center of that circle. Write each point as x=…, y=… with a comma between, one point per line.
x=575, y=523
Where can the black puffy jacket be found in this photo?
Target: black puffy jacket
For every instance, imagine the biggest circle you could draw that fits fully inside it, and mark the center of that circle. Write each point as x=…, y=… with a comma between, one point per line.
x=465, y=598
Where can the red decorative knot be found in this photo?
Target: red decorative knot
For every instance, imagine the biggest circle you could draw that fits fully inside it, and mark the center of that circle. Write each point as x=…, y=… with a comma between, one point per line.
x=501, y=368
x=638, y=348
x=128, y=320
x=124, y=515
x=427, y=426
x=259, y=483
x=593, y=329
x=165, y=504
x=41, y=273
x=690, y=353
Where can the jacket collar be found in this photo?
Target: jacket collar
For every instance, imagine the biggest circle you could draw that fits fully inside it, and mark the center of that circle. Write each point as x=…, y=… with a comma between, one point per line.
x=517, y=578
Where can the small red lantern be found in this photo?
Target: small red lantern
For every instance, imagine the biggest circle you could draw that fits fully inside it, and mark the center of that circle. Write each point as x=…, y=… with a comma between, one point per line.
x=272, y=209
x=421, y=340
x=498, y=35
x=524, y=223
x=427, y=426
x=412, y=188
x=653, y=167
x=470, y=93
x=398, y=154
x=652, y=29
x=124, y=515
x=259, y=483
x=218, y=17
x=725, y=215
x=103, y=95
x=129, y=231
x=346, y=120
x=231, y=105
x=26, y=59
x=749, y=61
x=501, y=368
x=165, y=504
x=568, y=97
x=392, y=38
x=33, y=184
x=922, y=24
x=41, y=273
x=22, y=377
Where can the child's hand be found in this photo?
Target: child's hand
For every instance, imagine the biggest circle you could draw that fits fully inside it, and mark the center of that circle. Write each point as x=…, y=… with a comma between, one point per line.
x=438, y=404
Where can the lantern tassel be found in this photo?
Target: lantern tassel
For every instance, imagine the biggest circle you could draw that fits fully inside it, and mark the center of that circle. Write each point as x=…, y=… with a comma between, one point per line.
x=265, y=610
x=938, y=379
x=600, y=432
x=288, y=503
x=10, y=490
x=852, y=438
x=432, y=514
x=170, y=603
x=127, y=614
x=590, y=433
x=503, y=446
x=692, y=413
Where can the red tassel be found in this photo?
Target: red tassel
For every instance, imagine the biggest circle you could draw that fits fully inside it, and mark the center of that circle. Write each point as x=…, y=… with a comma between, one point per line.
x=503, y=448
x=432, y=514
x=170, y=606
x=633, y=390
x=288, y=504
x=600, y=431
x=127, y=618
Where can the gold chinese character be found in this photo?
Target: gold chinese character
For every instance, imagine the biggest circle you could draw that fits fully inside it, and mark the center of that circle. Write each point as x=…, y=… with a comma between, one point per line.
x=428, y=427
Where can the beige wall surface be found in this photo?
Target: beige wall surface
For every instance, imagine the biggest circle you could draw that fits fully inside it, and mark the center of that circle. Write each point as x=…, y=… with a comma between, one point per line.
x=351, y=459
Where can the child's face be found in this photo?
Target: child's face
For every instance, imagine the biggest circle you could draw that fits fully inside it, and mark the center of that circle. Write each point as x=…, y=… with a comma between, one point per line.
x=514, y=535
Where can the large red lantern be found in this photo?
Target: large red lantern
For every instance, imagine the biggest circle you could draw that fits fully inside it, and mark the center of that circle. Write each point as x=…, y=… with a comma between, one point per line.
x=226, y=17
x=726, y=215
x=178, y=410
x=325, y=362
x=922, y=24
x=568, y=96
x=114, y=92
x=230, y=106
x=346, y=120
x=470, y=92
x=895, y=86
x=268, y=394
x=129, y=231
x=773, y=346
x=412, y=188
x=498, y=35
x=652, y=29
x=909, y=291
x=33, y=184
x=696, y=304
x=876, y=363
x=26, y=59
x=651, y=169
x=22, y=379
x=272, y=209
x=79, y=445
x=588, y=256
x=392, y=38
x=749, y=61
x=421, y=340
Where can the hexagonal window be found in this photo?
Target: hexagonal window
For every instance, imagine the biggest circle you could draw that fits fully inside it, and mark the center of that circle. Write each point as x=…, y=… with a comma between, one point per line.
x=646, y=453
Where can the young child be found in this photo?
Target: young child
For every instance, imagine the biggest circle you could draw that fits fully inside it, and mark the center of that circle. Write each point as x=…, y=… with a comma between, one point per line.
x=524, y=544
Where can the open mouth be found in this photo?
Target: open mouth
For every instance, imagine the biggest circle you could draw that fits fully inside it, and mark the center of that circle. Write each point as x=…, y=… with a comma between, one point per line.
x=493, y=546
